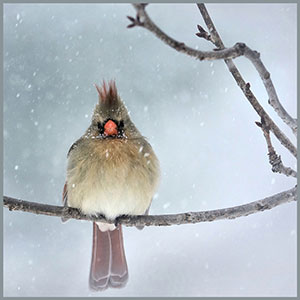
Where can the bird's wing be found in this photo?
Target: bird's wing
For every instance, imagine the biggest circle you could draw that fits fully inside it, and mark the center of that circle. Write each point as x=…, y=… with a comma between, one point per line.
x=65, y=191
x=74, y=145
x=65, y=195
x=65, y=201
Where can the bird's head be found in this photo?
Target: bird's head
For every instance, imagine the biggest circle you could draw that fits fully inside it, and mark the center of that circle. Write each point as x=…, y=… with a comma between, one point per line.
x=110, y=118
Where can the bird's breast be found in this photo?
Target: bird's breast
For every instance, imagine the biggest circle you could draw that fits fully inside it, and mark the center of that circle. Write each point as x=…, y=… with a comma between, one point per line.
x=112, y=177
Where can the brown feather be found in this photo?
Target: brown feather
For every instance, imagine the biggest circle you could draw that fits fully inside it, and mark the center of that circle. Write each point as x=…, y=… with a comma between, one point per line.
x=108, y=93
x=108, y=265
x=65, y=194
x=112, y=177
x=118, y=269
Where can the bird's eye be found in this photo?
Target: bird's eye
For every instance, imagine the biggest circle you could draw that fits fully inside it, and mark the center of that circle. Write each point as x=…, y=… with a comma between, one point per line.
x=100, y=126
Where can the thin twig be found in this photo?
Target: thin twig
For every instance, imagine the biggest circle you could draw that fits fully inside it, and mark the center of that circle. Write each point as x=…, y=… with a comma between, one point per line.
x=157, y=220
x=254, y=57
x=143, y=20
x=203, y=33
x=245, y=87
x=274, y=159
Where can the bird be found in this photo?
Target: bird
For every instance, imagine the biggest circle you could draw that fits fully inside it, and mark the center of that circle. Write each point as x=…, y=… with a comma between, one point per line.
x=112, y=170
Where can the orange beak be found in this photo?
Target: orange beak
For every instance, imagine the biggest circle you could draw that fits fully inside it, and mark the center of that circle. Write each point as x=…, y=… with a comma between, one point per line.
x=110, y=128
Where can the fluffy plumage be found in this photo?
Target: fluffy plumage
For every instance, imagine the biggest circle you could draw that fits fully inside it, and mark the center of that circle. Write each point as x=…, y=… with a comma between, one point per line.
x=110, y=175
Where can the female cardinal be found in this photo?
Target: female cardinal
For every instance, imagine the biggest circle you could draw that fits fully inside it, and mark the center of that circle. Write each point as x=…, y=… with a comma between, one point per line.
x=112, y=170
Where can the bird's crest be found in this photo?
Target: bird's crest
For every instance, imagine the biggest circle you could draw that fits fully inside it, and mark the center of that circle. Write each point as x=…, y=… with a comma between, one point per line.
x=108, y=93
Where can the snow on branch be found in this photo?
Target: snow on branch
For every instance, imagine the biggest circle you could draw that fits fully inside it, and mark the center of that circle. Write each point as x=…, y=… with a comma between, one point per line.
x=157, y=220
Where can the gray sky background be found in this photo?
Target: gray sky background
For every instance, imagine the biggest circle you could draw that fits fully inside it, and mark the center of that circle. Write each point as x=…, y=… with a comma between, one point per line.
x=199, y=123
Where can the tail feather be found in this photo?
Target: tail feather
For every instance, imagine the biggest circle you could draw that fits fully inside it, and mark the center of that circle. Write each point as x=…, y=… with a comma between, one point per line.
x=100, y=265
x=118, y=268
x=108, y=266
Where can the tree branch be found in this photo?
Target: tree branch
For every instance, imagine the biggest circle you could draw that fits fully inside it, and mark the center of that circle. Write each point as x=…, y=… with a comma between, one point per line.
x=254, y=58
x=143, y=20
x=157, y=220
x=274, y=159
